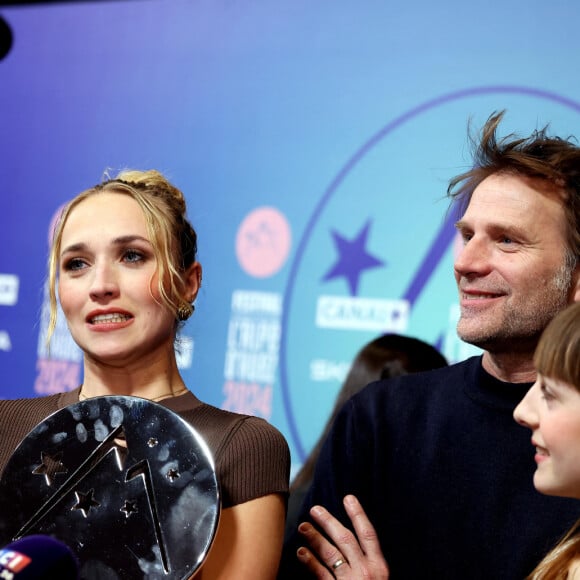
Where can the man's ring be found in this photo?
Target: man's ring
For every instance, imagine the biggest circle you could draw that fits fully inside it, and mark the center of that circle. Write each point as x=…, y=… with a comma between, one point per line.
x=338, y=563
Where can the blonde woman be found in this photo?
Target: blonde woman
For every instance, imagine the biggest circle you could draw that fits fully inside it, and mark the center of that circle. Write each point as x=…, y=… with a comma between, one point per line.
x=123, y=264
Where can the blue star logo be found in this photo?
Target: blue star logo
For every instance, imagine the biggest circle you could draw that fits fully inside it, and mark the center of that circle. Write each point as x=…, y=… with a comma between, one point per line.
x=353, y=258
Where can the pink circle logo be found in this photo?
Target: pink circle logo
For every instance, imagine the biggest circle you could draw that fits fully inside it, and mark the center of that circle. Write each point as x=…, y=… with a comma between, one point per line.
x=263, y=242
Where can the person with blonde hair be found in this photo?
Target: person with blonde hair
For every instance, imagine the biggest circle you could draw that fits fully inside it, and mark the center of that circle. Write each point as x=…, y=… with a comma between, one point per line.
x=123, y=266
x=551, y=410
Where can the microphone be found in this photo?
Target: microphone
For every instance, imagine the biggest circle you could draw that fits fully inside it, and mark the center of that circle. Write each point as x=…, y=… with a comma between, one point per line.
x=38, y=557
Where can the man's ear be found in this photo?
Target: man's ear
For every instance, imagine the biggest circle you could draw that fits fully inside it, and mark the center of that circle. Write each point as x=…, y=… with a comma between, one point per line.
x=193, y=281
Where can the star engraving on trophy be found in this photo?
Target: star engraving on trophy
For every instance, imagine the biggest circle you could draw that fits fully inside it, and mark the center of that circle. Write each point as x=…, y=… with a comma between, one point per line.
x=85, y=501
x=129, y=508
x=51, y=465
x=173, y=474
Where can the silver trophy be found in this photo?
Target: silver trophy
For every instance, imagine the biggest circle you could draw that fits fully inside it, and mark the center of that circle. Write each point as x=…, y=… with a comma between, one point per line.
x=125, y=483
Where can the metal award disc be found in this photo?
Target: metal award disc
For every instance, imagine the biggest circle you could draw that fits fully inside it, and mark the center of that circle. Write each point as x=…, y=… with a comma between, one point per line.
x=125, y=483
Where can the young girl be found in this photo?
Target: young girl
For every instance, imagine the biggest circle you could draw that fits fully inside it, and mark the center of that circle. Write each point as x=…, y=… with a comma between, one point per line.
x=551, y=409
x=124, y=262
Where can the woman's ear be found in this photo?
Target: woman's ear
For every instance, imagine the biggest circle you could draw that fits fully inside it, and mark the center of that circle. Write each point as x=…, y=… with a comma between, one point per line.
x=193, y=281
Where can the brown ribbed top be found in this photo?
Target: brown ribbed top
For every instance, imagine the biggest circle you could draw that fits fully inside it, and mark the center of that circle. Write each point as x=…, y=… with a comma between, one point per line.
x=251, y=456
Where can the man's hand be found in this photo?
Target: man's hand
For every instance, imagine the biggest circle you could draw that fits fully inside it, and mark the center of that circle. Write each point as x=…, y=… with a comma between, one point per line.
x=346, y=556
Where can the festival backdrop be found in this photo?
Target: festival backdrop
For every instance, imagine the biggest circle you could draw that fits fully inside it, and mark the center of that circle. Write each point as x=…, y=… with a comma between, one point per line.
x=314, y=141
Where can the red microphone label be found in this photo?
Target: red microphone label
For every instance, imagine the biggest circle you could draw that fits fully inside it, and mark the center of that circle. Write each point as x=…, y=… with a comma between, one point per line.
x=11, y=562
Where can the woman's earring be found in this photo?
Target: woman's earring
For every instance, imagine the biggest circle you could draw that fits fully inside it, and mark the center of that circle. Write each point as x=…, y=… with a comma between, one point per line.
x=185, y=311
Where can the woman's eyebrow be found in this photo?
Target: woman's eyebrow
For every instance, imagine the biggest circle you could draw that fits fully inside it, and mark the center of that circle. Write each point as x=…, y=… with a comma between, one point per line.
x=120, y=241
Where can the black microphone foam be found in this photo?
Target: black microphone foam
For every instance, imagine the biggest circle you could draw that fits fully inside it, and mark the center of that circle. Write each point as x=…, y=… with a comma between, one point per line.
x=38, y=557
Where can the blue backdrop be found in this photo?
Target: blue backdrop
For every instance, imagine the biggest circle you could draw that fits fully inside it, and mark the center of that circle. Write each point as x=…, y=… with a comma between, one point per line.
x=314, y=141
